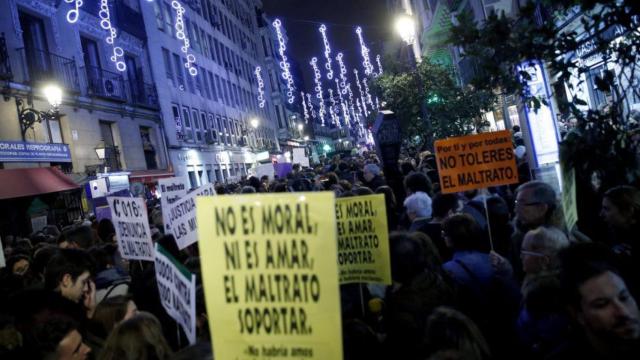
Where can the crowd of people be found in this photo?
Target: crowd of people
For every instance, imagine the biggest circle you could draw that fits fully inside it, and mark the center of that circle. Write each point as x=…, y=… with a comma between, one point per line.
x=486, y=274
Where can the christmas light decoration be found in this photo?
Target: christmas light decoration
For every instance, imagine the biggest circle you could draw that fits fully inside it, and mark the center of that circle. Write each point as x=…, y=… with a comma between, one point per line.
x=377, y=103
x=359, y=107
x=367, y=94
x=327, y=51
x=345, y=109
x=311, y=109
x=364, y=50
x=304, y=107
x=379, y=64
x=261, y=100
x=343, y=73
x=179, y=26
x=362, y=96
x=318, y=76
x=117, y=54
x=332, y=109
x=284, y=63
x=74, y=14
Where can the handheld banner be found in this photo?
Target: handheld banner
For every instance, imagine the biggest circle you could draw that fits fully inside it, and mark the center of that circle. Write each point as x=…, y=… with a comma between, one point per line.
x=270, y=275
x=177, y=289
x=171, y=189
x=129, y=216
x=363, y=240
x=476, y=161
x=182, y=216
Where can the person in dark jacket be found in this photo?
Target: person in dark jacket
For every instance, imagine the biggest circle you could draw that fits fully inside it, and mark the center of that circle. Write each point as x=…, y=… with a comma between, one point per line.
x=373, y=178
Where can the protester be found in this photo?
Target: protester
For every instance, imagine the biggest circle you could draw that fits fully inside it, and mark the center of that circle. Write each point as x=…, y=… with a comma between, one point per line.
x=443, y=206
x=373, y=176
x=139, y=337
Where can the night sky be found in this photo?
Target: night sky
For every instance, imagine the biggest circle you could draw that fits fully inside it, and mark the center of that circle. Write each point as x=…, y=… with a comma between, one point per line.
x=302, y=18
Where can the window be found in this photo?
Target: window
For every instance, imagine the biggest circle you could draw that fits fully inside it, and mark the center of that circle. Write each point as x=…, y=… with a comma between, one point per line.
x=176, y=116
x=213, y=128
x=35, y=45
x=179, y=73
x=203, y=122
x=168, y=69
x=185, y=117
x=214, y=93
x=158, y=13
x=218, y=53
x=111, y=153
x=196, y=124
x=220, y=90
x=168, y=19
x=205, y=81
x=56, y=132
x=193, y=181
x=279, y=117
x=205, y=44
x=198, y=80
x=225, y=87
x=189, y=79
x=148, y=147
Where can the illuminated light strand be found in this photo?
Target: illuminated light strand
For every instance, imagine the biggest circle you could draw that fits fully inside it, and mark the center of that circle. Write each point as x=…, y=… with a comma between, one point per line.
x=377, y=103
x=284, y=63
x=117, y=54
x=179, y=26
x=345, y=110
x=362, y=96
x=261, y=99
x=74, y=13
x=364, y=50
x=379, y=64
x=311, y=109
x=318, y=76
x=332, y=109
x=367, y=93
x=327, y=51
x=304, y=107
x=343, y=73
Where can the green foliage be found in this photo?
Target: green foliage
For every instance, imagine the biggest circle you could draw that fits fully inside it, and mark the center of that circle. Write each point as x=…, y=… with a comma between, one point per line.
x=600, y=144
x=429, y=103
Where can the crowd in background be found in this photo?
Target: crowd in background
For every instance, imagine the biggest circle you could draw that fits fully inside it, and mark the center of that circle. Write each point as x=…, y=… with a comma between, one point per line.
x=485, y=274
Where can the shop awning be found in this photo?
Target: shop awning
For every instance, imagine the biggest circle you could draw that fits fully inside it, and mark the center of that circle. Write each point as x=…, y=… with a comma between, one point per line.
x=15, y=183
x=147, y=176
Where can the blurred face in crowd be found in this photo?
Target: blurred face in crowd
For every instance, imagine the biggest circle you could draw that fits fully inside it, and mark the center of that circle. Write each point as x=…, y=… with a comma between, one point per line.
x=529, y=211
x=607, y=309
x=368, y=176
x=20, y=267
x=72, y=347
x=612, y=215
x=533, y=260
x=74, y=290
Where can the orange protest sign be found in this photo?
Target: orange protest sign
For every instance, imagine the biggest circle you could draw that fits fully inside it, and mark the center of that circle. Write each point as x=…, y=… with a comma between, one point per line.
x=476, y=161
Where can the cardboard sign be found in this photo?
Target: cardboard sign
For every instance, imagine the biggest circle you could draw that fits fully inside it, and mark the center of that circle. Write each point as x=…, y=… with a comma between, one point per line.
x=476, y=161
x=270, y=275
x=129, y=216
x=177, y=289
x=265, y=169
x=182, y=216
x=363, y=240
x=171, y=189
x=569, y=202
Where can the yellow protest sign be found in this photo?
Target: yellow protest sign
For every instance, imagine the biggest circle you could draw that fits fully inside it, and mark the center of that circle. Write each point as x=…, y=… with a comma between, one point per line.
x=476, y=161
x=270, y=275
x=363, y=240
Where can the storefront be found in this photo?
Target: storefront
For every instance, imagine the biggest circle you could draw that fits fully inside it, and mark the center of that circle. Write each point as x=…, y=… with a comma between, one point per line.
x=202, y=167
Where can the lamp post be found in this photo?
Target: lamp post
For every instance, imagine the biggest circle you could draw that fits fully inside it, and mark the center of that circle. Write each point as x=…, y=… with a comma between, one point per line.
x=405, y=26
x=28, y=116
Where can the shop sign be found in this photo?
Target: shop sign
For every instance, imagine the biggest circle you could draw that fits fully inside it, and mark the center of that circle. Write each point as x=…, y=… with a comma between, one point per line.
x=22, y=151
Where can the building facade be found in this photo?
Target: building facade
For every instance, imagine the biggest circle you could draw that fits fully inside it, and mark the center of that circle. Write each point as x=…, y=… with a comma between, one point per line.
x=208, y=113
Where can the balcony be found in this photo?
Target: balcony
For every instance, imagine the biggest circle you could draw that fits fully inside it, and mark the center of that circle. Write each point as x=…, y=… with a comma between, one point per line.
x=104, y=83
x=112, y=158
x=142, y=94
x=44, y=66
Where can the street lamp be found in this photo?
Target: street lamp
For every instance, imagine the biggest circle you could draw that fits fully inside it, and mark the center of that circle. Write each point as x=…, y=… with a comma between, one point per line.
x=255, y=122
x=300, y=127
x=406, y=27
x=306, y=138
x=28, y=116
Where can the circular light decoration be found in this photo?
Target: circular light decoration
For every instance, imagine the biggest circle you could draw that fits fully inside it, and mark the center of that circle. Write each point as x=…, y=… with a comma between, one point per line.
x=345, y=110
x=364, y=50
x=179, y=26
x=117, y=54
x=304, y=107
x=311, y=109
x=343, y=73
x=379, y=64
x=261, y=100
x=362, y=95
x=367, y=93
x=327, y=51
x=284, y=64
x=74, y=14
x=359, y=107
x=318, y=76
x=332, y=108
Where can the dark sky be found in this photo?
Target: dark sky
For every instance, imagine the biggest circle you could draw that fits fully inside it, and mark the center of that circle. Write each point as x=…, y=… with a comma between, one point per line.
x=302, y=18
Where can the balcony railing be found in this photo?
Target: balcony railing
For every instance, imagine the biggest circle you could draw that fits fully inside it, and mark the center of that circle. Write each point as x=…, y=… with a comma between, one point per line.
x=141, y=93
x=44, y=66
x=105, y=83
x=112, y=158
x=5, y=65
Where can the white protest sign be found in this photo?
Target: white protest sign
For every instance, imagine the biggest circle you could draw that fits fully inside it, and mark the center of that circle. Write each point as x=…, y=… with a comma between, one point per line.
x=182, y=216
x=265, y=169
x=129, y=216
x=171, y=189
x=299, y=157
x=177, y=288
x=38, y=223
